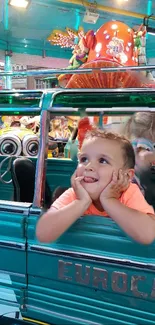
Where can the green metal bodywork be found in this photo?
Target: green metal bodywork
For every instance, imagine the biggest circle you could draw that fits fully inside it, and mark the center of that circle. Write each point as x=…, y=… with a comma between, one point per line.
x=58, y=172
x=94, y=273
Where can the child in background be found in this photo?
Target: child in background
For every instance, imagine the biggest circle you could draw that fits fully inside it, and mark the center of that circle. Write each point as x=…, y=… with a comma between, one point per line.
x=102, y=186
x=140, y=129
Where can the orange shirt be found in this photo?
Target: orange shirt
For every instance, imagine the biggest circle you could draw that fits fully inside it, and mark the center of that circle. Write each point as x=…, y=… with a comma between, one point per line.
x=132, y=198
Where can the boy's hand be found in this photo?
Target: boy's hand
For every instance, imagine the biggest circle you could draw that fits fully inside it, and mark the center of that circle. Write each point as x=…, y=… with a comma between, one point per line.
x=80, y=192
x=119, y=183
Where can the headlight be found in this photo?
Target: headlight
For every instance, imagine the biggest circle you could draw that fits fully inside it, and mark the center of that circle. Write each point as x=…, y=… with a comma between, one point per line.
x=30, y=145
x=10, y=145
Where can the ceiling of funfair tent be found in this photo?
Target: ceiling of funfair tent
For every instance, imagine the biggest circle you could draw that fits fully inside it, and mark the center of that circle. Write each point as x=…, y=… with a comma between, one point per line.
x=27, y=30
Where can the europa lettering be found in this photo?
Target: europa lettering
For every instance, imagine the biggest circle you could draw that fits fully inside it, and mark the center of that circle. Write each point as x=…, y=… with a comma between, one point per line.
x=98, y=278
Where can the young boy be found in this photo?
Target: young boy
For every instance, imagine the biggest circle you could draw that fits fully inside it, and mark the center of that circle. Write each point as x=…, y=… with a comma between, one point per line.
x=102, y=186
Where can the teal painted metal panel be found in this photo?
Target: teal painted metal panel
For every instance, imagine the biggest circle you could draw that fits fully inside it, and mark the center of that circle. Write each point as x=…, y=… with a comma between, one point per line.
x=61, y=282
x=13, y=269
x=57, y=170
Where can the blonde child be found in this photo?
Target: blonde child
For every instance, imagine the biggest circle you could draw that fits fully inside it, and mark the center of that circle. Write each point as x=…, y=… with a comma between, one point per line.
x=140, y=129
x=102, y=186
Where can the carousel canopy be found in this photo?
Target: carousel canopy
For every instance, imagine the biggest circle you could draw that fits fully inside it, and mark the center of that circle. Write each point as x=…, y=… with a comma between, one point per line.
x=27, y=30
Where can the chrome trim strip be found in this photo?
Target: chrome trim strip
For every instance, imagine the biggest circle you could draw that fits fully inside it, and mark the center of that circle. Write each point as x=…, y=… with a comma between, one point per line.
x=15, y=207
x=22, y=92
x=16, y=204
x=55, y=314
x=13, y=245
x=22, y=108
x=105, y=90
x=64, y=109
x=75, y=71
x=120, y=109
x=12, y=274
x=111, y=109
x=90, y=257
x=36, y=211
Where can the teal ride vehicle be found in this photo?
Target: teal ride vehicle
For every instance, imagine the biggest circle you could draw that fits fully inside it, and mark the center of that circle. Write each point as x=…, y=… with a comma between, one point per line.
x=93, y=274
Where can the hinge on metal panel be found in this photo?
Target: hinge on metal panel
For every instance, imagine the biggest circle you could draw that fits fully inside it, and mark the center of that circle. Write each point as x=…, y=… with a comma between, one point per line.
x=24, y=227
x=25, y=223
x=23, y=300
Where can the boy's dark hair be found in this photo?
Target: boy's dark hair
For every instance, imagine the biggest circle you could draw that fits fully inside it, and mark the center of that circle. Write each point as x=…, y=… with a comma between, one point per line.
x=128, y=151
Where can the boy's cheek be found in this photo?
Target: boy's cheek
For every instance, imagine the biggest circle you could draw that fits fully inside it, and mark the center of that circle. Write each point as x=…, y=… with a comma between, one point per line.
x=80, y=170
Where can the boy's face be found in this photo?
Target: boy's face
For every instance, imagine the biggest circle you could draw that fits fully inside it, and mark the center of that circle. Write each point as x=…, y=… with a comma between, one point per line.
x=98, y=159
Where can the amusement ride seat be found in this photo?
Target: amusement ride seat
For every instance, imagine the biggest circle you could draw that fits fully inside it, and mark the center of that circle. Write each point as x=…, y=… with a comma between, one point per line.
x=23, y=179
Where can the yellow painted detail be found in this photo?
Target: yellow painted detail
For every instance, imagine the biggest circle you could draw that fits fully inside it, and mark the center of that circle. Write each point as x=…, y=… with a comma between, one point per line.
x=108, y=9
x=35, y=321
x=18, y=131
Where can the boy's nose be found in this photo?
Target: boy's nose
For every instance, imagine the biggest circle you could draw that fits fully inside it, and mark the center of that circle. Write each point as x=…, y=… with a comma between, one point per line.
x=89, y=167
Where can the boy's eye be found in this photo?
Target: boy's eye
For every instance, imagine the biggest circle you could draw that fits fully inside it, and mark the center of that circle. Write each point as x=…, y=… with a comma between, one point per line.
x=83, y=160
x=103, y=161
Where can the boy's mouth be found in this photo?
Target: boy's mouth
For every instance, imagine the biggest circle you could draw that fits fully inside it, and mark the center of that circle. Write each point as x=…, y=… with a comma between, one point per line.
x=90, y=179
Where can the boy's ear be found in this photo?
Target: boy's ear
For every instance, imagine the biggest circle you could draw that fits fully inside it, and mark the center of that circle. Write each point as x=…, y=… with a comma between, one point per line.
x=131, y=173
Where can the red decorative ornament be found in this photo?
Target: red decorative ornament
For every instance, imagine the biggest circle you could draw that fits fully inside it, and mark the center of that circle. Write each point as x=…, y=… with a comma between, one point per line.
x=111, y=46
x=104, y=79
x=84, y=126
x=114, y=40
